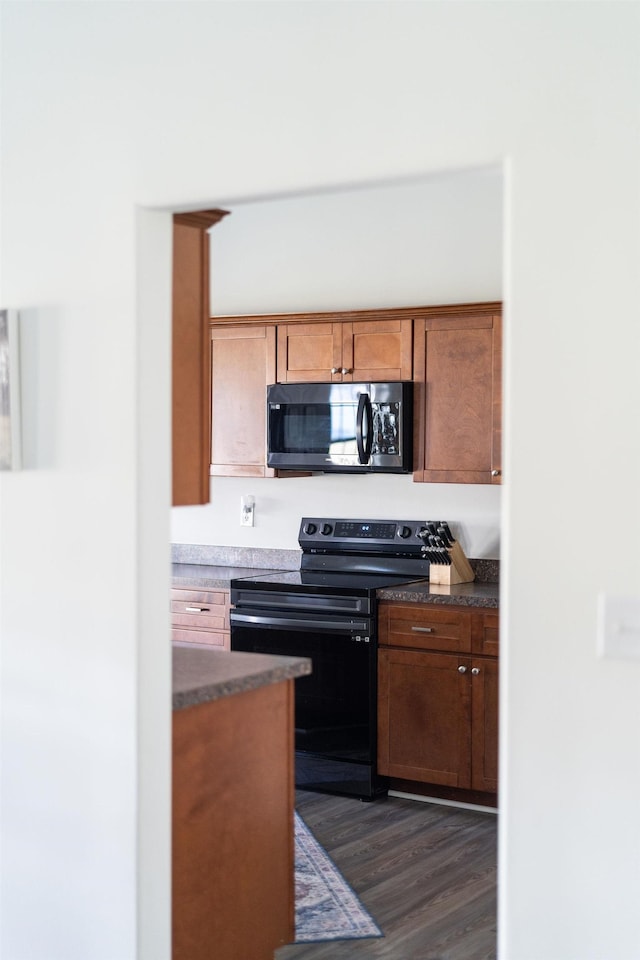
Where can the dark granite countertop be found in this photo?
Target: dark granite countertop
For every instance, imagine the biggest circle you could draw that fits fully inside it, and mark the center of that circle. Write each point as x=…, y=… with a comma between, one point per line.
x=479, y=593
x=200, y=676
x=475, y=594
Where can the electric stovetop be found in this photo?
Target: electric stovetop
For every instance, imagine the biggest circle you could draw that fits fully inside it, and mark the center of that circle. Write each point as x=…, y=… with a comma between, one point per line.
x=308, y=581
x=350, y=556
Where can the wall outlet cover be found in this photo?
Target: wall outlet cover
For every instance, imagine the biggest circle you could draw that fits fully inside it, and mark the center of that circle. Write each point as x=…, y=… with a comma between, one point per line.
x=618, y=627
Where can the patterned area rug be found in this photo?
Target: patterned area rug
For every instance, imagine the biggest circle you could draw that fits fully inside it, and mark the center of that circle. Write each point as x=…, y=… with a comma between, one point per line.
x=326, y=906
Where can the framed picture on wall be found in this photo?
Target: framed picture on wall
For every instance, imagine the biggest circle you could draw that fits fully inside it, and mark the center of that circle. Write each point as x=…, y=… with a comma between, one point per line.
x=10, y=435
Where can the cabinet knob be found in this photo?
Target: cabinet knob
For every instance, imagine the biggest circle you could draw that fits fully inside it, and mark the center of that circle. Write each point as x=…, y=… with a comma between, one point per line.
x=475, y=671
x=495, y=473
x=462, y=669
x=344, y=370
x=334, y=370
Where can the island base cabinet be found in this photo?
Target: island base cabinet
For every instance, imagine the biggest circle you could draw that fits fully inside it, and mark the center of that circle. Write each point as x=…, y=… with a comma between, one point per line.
x=232, y=844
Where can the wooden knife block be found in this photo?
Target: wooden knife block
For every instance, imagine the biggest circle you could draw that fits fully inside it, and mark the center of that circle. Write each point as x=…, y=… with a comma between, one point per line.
x=458, y=571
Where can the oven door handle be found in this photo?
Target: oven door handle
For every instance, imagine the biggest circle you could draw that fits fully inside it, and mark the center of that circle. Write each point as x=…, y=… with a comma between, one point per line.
x=364, y=441
x=310, y=624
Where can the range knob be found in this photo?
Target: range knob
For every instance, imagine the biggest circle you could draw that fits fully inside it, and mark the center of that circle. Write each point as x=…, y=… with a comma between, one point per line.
x=423, y=533
x=310, y=529
x=404, y=532
x=326, y=529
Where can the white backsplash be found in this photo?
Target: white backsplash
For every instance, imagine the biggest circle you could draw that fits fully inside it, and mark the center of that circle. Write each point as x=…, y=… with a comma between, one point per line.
x=473, y=510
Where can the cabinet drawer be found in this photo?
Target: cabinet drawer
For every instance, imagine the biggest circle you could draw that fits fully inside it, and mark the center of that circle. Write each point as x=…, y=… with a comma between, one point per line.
x=424, y=627
x=485, y=633
x=200, y=616
x=192, y=597
x=210, y=638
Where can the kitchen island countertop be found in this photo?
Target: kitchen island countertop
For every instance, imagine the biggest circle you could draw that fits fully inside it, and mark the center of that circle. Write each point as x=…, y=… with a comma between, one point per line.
x=200, y=676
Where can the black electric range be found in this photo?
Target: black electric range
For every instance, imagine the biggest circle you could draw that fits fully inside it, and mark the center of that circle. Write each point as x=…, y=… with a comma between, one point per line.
x=326, y=610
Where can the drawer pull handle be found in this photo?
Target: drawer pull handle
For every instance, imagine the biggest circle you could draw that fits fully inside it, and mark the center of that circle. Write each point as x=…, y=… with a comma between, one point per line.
x=197, y=609
x=422, y=629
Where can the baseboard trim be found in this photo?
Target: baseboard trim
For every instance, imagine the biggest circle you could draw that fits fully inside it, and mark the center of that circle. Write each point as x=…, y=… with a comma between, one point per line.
x=439, y=800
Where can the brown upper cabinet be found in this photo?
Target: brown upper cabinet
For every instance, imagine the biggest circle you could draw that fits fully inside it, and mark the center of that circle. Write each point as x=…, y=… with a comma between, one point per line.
x=190, y=356
x=243, y=362
x=345, y=351
x=458, y=387
x=452, y=353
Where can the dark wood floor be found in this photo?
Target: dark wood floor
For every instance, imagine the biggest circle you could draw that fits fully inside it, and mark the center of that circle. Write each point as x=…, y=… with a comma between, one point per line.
x=427, y=874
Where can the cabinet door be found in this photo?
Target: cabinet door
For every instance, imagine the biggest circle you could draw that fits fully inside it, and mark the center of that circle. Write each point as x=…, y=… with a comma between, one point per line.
x=309, y=352
x=485, y=633
x=424, y=717
x=458, y=374
x=345, y=351
x=484, y=686
x=377, y=350
x=243, y=362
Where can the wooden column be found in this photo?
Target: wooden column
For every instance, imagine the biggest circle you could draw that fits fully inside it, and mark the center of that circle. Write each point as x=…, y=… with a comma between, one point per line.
x=191, y=367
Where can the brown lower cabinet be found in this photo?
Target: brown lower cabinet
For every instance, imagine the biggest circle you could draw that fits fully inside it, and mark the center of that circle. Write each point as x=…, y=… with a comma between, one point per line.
x=438, y=696
x=200, y=616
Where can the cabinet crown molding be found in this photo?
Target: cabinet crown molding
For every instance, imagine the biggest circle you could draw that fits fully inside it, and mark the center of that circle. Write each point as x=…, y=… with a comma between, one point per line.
x=373, y=313
x=202, y=219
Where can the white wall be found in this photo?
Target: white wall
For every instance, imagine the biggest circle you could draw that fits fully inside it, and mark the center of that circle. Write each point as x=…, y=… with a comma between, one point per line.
x=108, y=106
x=280, y=503
x=437, y=239
x=427, y=241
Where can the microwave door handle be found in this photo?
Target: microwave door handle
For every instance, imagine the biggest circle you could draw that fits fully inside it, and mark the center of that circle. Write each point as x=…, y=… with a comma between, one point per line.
x=364, y=443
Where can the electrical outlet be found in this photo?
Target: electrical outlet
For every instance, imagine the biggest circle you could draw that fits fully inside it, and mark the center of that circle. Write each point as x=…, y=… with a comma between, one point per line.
x=618, y=627
x=247, y=511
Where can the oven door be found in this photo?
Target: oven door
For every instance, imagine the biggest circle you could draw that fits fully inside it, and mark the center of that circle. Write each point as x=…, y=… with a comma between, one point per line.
x=335, y=706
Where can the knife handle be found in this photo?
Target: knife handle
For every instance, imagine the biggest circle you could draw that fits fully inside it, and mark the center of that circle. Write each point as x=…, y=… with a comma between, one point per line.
x=445, y=525
x=443, y=536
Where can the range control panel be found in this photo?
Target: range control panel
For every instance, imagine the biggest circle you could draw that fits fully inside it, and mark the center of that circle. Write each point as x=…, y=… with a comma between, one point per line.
x=337, y=535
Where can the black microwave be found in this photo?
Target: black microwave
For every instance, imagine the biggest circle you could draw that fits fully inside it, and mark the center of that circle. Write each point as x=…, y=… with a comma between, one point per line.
x=340, y=427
